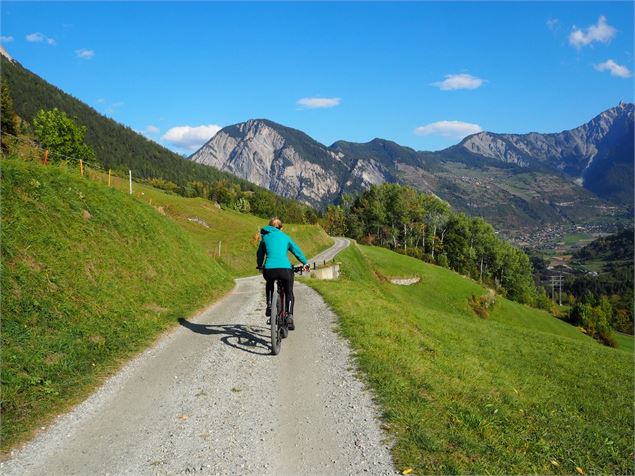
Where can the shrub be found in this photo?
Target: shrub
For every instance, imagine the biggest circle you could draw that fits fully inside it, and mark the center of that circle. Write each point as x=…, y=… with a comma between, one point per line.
x=483, y=305
x=595, y=321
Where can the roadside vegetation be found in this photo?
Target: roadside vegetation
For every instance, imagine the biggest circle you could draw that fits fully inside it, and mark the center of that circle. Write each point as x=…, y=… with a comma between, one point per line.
x=517, y=393
x=89, y=277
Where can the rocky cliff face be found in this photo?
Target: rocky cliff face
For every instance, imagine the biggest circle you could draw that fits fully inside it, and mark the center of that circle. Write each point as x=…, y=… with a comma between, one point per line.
x=571, y=152
x=287, y=162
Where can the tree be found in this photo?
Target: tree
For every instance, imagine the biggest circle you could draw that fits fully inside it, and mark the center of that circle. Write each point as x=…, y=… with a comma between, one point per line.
x=61, y=136
x=9, y=123
x=335, y=221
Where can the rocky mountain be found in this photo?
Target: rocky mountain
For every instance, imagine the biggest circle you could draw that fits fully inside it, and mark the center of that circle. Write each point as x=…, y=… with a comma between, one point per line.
x=589, y=154
x=287, y=162
x=514, y=181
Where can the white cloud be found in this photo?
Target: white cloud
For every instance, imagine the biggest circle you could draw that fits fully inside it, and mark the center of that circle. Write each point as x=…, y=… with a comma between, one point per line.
x=552, y=24
x=601, y=32
x=151, y=129
x=38, y=37
x=6, y=39
x=84, y=53
x=459, y=81
x=449, y=129
x=615, y=69
x=190, y=137
x=318, y=103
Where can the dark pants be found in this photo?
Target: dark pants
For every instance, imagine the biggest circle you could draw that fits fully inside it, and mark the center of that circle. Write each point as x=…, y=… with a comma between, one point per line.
x=285, y=275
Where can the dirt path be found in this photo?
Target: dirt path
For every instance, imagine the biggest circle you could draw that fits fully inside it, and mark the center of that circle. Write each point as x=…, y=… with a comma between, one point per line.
x=210, y=399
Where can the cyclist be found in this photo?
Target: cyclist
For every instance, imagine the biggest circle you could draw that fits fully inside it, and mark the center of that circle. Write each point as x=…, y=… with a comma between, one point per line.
x=275, y=245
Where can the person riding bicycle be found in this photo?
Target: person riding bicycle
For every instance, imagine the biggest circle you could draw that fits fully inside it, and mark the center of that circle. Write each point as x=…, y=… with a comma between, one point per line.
x=275, y=245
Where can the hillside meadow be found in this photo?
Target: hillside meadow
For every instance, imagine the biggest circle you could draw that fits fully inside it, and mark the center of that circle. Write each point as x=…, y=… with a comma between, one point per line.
x=208, y=224
x=92, y=275
x=517, y=393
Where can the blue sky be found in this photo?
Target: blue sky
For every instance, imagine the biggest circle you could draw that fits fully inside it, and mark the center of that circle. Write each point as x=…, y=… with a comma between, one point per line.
x=421, y=74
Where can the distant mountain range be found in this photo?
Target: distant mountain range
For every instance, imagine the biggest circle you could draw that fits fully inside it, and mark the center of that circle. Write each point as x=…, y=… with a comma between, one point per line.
x=513, y=180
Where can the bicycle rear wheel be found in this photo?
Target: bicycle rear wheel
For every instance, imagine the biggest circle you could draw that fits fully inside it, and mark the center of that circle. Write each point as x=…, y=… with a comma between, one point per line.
x=276, y=333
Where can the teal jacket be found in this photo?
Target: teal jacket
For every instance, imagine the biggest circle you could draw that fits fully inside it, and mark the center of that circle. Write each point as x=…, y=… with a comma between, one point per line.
x=275, y=245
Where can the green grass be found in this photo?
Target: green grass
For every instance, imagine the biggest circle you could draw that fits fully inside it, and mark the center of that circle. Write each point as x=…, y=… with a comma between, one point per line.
x=625, y=341
x=461, y=395
x=577, y=239
x=236, y=231
x=83, y=293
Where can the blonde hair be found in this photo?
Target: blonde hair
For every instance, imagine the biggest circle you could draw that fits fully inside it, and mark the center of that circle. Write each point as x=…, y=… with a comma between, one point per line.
x=275, y=221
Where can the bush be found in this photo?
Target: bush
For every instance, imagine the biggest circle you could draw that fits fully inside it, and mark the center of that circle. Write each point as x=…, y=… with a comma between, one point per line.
x=595, y=321
x=442, y=260
x=483, y=305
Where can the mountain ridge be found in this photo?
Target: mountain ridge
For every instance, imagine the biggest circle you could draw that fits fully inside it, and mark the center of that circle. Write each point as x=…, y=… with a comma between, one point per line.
x=530, y=179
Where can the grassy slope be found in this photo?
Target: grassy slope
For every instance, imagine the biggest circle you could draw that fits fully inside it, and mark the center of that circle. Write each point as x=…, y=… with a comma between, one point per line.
x=508, y=395
x=236, y=231
x=79, y=296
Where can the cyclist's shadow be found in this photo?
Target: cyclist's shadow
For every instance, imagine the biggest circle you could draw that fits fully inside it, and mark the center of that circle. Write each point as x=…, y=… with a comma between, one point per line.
x=252, y=339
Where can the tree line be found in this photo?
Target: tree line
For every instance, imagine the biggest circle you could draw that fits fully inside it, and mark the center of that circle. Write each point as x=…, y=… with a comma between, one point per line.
x=421, y=225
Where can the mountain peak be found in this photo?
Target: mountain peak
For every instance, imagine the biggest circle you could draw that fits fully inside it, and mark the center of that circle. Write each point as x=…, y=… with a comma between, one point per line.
x=4, y=53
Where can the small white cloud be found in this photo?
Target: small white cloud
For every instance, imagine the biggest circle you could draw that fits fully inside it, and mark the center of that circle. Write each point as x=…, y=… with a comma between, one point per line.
x=449, y=129
x=459, y=81
x=190, y=137
x=318, y=103
x=84, y=53
x=552, y=24
x=614, y=68
x=6, y=39
x=600, y=32
x=38, y=37
x=151, y=129
x=100, y=101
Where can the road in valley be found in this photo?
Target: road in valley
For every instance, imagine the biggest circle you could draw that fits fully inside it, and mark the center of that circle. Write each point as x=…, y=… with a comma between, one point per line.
x=209, y=398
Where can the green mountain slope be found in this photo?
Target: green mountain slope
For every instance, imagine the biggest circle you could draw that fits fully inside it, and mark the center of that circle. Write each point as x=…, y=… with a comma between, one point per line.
x=518, y=393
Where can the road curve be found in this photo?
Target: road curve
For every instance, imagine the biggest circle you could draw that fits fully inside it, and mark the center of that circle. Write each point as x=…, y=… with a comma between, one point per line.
x=209, y=398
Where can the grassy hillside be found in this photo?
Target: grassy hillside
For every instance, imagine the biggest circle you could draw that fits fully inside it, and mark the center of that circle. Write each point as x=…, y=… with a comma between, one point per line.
x=91, y=276
x=518, y=393
x=208, y=224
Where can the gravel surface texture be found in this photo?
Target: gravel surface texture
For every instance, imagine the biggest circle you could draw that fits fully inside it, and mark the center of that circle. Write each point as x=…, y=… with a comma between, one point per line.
x=209, y=398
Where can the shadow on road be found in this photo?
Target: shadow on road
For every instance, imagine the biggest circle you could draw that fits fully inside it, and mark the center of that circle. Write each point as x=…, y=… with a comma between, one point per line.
x=252, y=339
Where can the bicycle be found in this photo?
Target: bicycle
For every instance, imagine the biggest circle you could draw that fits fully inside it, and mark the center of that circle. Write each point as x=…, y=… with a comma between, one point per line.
x=278, y=319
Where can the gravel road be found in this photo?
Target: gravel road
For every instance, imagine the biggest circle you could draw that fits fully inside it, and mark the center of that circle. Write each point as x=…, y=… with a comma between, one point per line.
x=209, y=398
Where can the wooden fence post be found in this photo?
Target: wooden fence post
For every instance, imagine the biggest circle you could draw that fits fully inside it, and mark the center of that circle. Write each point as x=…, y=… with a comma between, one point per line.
x=81, y=167
x=130, y=181
x=109, y=174
x=45, y=160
